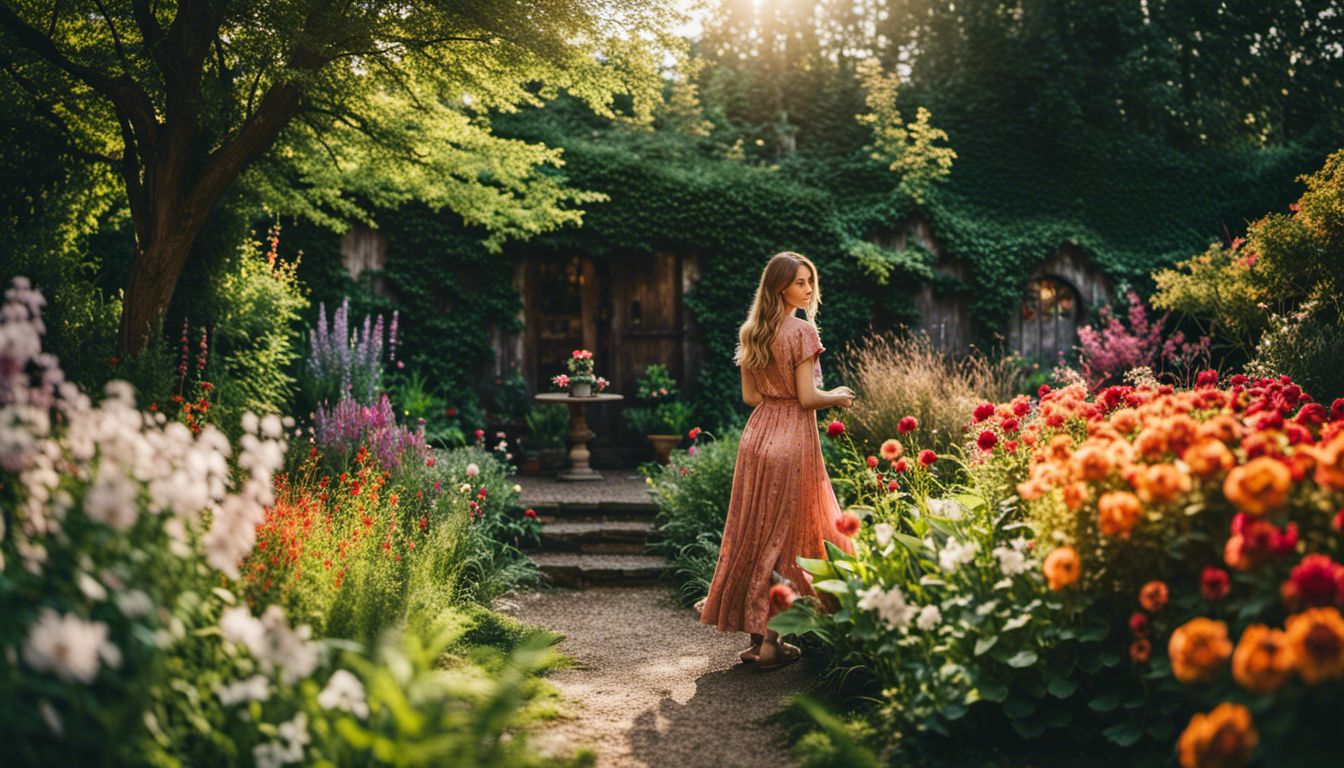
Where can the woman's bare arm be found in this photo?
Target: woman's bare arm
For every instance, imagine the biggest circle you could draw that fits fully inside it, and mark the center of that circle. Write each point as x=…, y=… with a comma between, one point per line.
x=750, y=395
x=813, y=399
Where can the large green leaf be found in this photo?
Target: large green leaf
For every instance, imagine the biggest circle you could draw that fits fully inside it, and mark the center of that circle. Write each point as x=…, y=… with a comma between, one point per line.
x=833, y=586
x=1022, y=659
x=816, y=567
x=1124, y=734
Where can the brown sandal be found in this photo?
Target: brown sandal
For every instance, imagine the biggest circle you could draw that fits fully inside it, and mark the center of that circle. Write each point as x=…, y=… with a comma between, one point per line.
x=787, y=654
x=751, y=655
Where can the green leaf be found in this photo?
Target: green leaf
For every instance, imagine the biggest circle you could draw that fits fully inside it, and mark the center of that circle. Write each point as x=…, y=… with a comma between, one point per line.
x=797, y=622
x=995, y=692
x=1019, y=707
x=1124, y=734
x=822, y=568
x=833, y=586
x=1061, y=687
x=909, y=542
x=1022, y=659
x=984, y=644
x=1094, y=633
x=1105, y=703
x=1029, y=728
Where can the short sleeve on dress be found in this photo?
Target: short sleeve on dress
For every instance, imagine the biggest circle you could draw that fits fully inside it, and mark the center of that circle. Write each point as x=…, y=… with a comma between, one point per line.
x=806, y=344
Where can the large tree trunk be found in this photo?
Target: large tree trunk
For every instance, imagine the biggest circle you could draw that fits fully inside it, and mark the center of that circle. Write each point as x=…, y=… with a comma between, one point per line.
x=153, y=279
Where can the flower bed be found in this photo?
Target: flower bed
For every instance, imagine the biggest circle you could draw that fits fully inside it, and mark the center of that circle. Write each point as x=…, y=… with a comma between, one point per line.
x=1147, y=567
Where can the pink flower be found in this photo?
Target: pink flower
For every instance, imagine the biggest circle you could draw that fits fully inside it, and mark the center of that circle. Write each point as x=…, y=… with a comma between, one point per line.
x=872, y=462
x=782, y=597
x=848, y=524
x=834, y=429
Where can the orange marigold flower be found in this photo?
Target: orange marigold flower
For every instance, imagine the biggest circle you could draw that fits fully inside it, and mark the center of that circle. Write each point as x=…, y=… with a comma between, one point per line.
x=1330, y=462
x=1263, y=660
x=891, y=449
x=1316, y=637
x=1258, y=486
x=1125, y=420
x=1162, y=482
x=1208, y=457
x=1076, y=495
x=1062, y=568
x=1223, y=738
x=1223, y=427
x=1091, y=463
x=1153, y=596
x=1151, y=443
x=1118, y=512
x=1140, y=650
x=1198, y=649
x=1181, y=431
x=1060, y=448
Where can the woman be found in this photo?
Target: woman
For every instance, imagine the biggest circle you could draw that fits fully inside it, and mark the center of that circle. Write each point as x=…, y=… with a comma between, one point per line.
x=782, y=504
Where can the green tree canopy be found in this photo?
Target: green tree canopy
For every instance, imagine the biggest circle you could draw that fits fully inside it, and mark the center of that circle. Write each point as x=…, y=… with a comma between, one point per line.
x=379, y=101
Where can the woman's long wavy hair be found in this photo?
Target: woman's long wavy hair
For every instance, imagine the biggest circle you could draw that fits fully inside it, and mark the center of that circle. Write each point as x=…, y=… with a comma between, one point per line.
x=768, y=309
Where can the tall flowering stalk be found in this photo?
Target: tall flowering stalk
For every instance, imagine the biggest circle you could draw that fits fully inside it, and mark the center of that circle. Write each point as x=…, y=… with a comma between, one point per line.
x=342, y=364
x=347, y=425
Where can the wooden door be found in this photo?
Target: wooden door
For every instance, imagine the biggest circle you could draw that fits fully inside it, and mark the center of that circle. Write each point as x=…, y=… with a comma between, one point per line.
x=646, y=323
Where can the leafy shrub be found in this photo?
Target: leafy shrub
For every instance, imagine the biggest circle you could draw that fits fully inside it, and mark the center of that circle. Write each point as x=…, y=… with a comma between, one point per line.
x=1106, y=353
x=692, y=493
x=898, y=376
x=548, y=425
x=1307, y=345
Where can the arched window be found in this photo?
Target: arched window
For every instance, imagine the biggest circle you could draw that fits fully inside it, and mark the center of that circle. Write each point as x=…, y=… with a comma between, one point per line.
x=1048, y=321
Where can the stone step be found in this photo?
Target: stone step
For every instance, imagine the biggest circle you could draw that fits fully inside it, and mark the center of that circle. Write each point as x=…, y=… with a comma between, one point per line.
x=607, y=536
x=576, y=569
x=576, y=511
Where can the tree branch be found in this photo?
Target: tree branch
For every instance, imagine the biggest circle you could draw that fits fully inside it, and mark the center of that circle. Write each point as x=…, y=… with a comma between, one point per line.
x=72, y=139
x=116, y=38
x=150, y=33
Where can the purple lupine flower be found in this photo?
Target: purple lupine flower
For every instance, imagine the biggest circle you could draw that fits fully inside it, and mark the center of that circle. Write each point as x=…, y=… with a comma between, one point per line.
x=392, y=339
x=349, y=424
x=342, y=339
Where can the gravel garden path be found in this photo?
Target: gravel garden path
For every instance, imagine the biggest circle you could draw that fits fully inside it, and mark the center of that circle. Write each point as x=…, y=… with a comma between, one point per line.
x=652, y=687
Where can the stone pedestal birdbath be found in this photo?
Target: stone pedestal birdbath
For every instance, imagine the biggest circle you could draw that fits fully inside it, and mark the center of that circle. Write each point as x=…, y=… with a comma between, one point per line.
x=579, y=435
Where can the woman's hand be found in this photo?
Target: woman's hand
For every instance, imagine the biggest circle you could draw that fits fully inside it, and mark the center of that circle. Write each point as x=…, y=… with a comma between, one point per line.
x=845, y=394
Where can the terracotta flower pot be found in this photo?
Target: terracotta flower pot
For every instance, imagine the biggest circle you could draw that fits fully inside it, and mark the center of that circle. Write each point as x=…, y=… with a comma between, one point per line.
x=663, y=445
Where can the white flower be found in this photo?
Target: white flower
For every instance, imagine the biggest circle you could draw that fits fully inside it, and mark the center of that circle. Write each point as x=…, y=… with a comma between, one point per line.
x=250, y=422
x=1019, y=543
x=929, y=617
x=112, y=499
x=254, y=688
x=91, y=588
x=134, y=604
x=238, y=626
x=270, y=426
x=883, y=533
x=945, y=508
x=464, y=488
x=344, y=691
x=473, y=470
x=1011, y=561
x=517, y=488
x=293, y=735
x=890, y=606
x=66, y=645
x=271, y=641
x=956, y=554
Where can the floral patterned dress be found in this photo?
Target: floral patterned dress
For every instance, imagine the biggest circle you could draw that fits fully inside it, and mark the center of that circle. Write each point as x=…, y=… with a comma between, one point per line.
x=782, y=504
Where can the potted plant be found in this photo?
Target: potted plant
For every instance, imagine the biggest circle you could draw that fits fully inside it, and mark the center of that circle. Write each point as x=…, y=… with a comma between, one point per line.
x=663, y=419
x=546, y=425
x=580, y=381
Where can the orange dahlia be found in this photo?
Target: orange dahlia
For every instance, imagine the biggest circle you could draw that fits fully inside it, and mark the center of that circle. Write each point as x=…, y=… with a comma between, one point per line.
x=1118, y=512
x=1223, y=738
x=1091, y=463
x=1258, y=486
x=1062, y=568
x=1198, y=649
x=1162, y=482
x=1153, y=596
x=1330, y=463
x=891, y=449
x=1209, y=457
x=1263, y=660
x=1316, y=637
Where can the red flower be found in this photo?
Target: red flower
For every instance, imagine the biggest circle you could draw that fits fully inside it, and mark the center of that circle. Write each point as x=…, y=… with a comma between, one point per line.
x=531, y=514
x=1337, y=409
x=907, y=424
x=891, y=486
x=900, y=465
x=782, y=597
x=834, y=428
x=986, y=440
x=429, y=462
x=450, y=412
x=848, y=524
x=1318, y=580
x=1153, y=596
x=1139, y=624
x=1214, y=583
x=1338, y=523
x=1206, y=379
x=872, y=462
x=983, y=411
x=482, y=493
x=1021, y=408
x=1010, y=425
x=1140, y=651
x=927, y=457
x=480, y=433
x=1010, y=446
x=694, y=434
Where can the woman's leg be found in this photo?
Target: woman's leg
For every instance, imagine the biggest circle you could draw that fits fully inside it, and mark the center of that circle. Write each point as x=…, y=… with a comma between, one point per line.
x=754, y=652
x=775, y=651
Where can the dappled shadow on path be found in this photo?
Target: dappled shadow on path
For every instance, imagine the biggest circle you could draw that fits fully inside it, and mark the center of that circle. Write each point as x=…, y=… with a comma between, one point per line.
x=723, y=722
